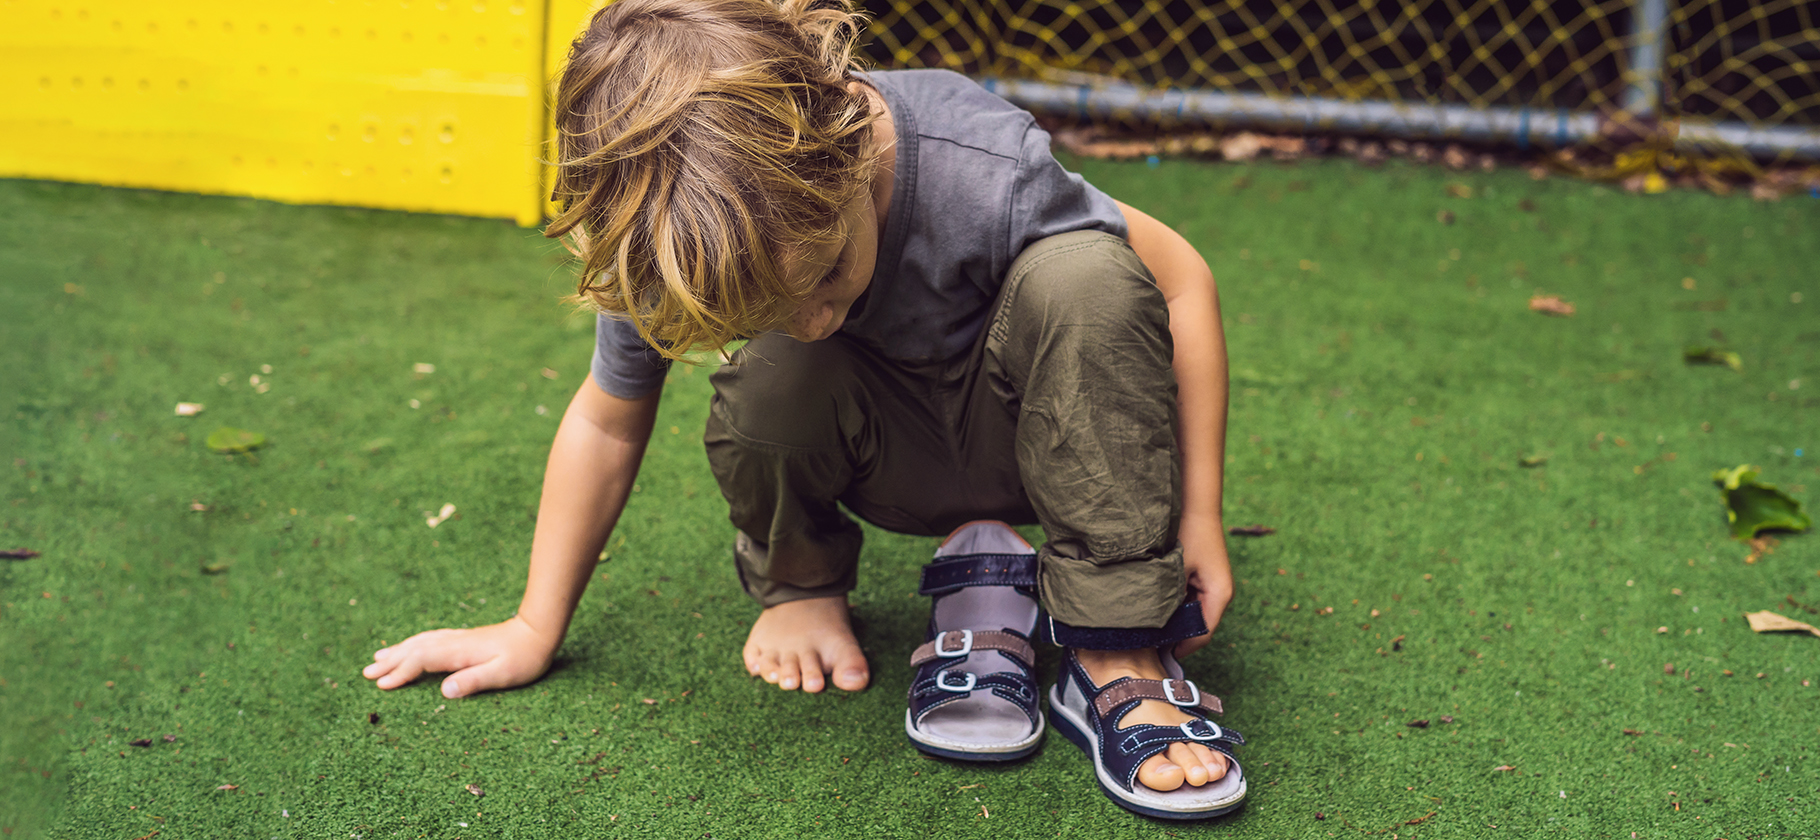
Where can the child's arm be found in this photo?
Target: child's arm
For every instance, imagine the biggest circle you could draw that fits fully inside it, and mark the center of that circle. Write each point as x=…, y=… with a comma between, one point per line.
x=592, y=463
x=1201, y=385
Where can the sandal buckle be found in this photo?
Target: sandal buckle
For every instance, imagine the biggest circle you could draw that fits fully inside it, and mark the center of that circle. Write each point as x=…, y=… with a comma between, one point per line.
x=1194, y=693
x=1188, y=729
x=964, y=686
x=941, y=644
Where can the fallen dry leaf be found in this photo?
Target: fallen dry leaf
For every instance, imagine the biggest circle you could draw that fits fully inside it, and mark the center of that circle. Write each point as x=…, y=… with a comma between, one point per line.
x=1455, y=158
x=441, y=516
x=423, y=367
x=198, y=507
x=18, y=554
x=1504, y=768
x=1445, y=217
x=1761, y=547
x=1769, y=622
x=1459, y=191
x=142, y=742
x=185, y=409
x=1252, y=531
x=227, y=787
x=1417, y=724
x=1241, y=146
x=474, y=789
x=1632, y=732
x=648, y=701
x=1551, y=305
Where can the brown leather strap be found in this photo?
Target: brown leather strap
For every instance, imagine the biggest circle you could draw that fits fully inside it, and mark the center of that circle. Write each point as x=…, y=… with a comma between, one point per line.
x=954, y=640
x=1134, y=689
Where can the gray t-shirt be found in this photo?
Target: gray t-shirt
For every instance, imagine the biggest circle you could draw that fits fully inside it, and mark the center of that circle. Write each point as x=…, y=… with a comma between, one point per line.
x=976, y=183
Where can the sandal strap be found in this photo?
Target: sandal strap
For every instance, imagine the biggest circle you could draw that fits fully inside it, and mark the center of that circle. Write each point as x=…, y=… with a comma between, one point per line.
x=1145, y=740
x=937, y=690
x=1130, y=690
x=947, y=574
x=956, y=644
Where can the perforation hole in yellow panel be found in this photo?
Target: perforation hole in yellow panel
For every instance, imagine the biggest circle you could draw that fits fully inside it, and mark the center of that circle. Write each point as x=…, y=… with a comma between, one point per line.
x=447, y=135
x=448, y=174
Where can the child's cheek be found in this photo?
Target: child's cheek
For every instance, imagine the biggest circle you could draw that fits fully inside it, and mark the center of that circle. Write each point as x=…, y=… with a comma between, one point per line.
x=811, y=321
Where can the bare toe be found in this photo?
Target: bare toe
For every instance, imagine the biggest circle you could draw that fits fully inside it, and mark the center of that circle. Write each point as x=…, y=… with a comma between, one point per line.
x=813, y=681
x=1160, y=774
x=788, y=675
x=850, y=672
x=1213, y=761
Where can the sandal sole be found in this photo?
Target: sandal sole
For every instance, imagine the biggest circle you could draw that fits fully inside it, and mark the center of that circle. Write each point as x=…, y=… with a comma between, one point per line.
x=1006, y=752
x=1062, y=718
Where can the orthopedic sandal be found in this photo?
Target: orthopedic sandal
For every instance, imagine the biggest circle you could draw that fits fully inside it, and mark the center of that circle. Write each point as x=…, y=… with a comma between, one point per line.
x=974, y=696
x=1088, y=715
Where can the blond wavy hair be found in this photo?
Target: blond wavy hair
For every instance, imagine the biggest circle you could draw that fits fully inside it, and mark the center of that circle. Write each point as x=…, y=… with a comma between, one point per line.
x=703, y=145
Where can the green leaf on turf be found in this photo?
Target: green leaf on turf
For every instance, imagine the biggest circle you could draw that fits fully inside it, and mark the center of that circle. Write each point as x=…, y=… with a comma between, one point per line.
x=230, y=439
x=1696, y=354
x=1752, y=506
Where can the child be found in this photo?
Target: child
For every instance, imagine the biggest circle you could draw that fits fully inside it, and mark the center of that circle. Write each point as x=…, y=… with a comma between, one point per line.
x=948, y=328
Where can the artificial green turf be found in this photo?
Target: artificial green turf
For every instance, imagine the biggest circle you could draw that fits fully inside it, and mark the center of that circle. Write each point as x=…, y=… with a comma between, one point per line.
x=1388, y=377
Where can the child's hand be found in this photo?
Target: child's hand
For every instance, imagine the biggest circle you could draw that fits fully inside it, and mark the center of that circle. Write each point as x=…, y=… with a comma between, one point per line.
x=501, y=655
x=1209, y=576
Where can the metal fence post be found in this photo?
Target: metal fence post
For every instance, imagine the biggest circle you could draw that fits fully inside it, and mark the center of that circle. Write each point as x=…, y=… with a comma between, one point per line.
x=1648, y=26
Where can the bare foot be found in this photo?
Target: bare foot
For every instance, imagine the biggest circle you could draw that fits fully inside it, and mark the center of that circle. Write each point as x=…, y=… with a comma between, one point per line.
x=793, y=644
x=1182, y=763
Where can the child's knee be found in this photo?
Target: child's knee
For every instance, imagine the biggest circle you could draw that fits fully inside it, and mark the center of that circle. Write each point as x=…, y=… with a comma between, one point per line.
x=1085, y=280
x=782, y=392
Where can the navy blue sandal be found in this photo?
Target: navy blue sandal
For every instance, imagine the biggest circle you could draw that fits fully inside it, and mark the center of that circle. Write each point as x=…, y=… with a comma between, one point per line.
x=1088, y=715
x=974, y=696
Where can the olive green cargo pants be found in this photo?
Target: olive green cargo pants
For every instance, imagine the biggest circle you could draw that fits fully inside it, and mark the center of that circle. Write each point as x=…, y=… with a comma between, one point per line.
x=1063, y=414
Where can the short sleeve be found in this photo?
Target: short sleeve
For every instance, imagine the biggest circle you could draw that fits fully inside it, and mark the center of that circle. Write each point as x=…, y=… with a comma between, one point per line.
x=624, y=365
x=1047, y=199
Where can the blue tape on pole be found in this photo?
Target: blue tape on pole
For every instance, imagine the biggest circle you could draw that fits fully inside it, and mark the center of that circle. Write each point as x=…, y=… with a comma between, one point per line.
x=1523, y=129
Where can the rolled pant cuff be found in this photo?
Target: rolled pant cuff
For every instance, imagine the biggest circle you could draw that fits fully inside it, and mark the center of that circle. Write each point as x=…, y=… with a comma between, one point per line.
x=1185, y=624
x=749, y=559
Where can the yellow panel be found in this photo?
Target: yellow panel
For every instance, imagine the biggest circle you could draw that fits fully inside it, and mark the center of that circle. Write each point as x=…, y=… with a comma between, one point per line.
x=431, y=105
x=567, y=20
